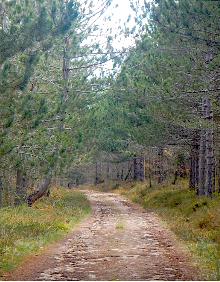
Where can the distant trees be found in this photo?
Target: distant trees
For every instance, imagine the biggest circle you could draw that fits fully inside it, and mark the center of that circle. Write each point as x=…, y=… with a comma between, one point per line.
x=189, y=31
x=56, y=114
x=168, y=87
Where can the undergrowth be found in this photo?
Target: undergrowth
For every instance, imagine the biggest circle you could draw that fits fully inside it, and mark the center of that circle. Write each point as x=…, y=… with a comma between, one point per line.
x=25, y=230
x=195, y=220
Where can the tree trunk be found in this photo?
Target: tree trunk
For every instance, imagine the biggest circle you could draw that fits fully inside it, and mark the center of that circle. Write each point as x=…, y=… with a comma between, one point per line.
x=108, y=172
x=202, y=164
x=66, y=71
x=150, y=179
x=129, y=173
x=21, y=188
x=43, y=189
x=96, y=174
x=122, y=174
x=139, y=169
x=194, y=164
x=175, y=177
x=210, y=163
x=206, y=152
x=161, y=177
x=1, y=193
x=118, y=172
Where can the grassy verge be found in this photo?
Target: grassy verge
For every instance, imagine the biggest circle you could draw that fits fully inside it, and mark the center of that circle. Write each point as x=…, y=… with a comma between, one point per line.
x=194, y=220
x=25, y=230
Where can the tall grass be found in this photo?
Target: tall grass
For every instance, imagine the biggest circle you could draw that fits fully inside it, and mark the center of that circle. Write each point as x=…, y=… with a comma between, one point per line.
x=25, y=230
x=195, y=220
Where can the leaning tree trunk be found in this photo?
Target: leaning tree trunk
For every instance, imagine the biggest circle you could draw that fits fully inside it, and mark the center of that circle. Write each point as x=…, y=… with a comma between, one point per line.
x=21, y=188
x=129, y=172
x=43, y=190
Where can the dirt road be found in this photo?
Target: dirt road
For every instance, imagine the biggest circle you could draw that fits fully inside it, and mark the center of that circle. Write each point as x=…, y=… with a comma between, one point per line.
x=119, y=242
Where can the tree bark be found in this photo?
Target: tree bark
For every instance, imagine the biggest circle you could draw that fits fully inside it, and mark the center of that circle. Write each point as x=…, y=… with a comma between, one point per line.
x=202, y=164
x=161, y=177
x=21, y=188
x=108, y=172
x=129, y=173
x=206, y=152
x=122, y=174
x=1, y=193
x=139, y=169
x=43, y=189
x=194, y=164
x=218, y=173
x=210, y=163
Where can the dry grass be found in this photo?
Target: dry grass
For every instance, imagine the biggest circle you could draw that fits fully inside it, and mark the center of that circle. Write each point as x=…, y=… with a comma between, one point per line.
x=195, y=220
x=25, y=230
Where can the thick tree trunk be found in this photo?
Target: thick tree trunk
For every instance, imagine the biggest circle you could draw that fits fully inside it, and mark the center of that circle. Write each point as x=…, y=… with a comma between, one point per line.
x=202, y=164
x=161, y=176
x=139, y=169
x=1, y=193
x=21, y=188
x=194, y=165
x=210, y=163
x=218, y=175
x=206, y=152
x=150, y=181
x=108, y=172
x=96, y=174
x=135, y=169
x=43, y=190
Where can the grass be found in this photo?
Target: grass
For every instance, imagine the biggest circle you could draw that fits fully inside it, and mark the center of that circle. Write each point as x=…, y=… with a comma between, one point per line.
x=195, y=220
x=119, y=225
x=24, y=230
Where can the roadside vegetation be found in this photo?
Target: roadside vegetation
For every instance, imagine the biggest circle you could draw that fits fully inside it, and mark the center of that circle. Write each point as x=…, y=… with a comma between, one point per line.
x=25, y=231
x=196, y=221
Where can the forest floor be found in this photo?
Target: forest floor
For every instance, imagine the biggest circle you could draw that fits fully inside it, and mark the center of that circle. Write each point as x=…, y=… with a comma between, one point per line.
x=120, y=241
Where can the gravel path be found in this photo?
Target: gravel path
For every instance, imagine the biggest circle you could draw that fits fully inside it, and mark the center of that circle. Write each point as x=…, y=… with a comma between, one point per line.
x=120, y=241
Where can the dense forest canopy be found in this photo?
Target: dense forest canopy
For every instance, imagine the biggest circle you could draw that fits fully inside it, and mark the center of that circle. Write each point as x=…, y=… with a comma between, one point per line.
x=61, y=109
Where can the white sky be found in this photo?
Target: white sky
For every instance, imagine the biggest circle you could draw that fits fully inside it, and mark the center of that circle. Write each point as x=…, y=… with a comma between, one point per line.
x=118, y=19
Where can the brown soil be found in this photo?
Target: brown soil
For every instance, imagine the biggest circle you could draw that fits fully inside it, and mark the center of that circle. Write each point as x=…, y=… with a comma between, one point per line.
x=120, y=241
